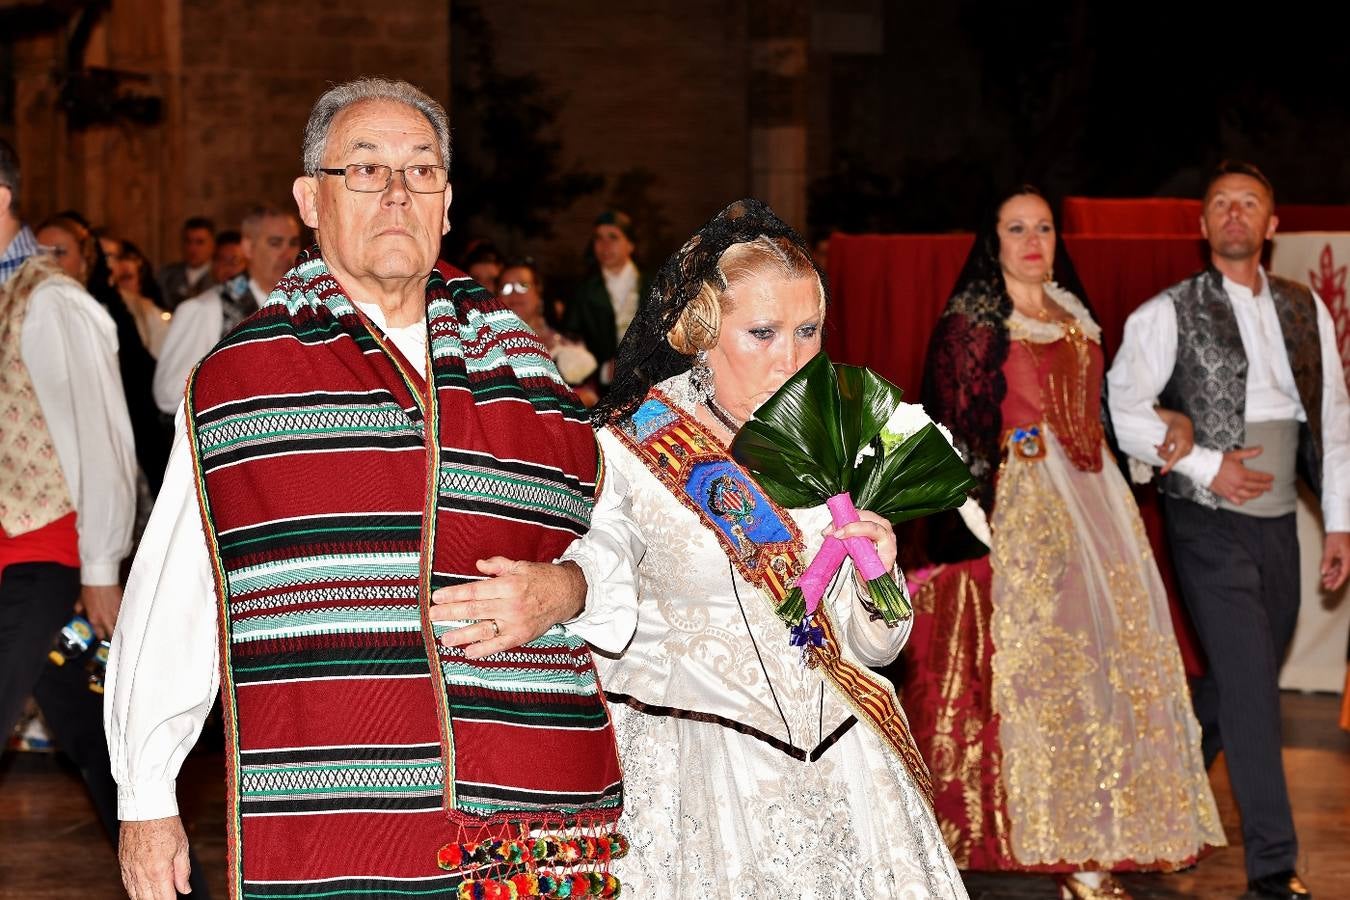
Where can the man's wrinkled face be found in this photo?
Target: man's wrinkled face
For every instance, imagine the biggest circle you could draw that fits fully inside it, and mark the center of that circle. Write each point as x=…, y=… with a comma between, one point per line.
x=198, y=245
x=1238, y=218
x=393, y=234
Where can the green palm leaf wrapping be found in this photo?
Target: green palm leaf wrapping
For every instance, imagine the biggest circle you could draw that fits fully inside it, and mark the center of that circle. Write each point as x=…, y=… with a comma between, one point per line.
x=866, y=403
x=801, y=446
x=794, y=444
x=919, y=476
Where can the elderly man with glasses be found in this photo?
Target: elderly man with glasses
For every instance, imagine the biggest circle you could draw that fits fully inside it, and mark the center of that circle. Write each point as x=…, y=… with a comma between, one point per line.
x=351, y=462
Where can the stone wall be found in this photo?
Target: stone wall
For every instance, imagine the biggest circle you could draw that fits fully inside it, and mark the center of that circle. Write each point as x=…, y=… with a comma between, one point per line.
x=659, y=85
x=237, y=79
x=252, y=70
x=666, y=87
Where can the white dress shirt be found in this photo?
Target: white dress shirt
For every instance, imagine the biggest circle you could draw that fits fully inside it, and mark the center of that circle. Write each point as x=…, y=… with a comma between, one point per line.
x=195, y=274
x=1144, y=365
x=623, y=295
x=69, y=346
x=164, y=669
x=194, y=329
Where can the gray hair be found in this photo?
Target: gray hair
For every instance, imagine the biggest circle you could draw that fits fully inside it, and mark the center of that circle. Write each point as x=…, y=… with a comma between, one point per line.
x=338, y=98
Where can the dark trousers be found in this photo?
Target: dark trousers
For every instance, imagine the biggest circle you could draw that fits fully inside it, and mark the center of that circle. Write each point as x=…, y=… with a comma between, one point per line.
x=1239, y=579
x=36, y=599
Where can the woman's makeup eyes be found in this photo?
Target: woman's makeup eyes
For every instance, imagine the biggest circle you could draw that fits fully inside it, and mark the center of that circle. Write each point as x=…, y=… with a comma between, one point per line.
x=1018, y=228
x=805, y=332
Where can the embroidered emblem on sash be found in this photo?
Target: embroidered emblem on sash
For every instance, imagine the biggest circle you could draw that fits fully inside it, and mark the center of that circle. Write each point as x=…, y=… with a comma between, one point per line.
x=758, y=537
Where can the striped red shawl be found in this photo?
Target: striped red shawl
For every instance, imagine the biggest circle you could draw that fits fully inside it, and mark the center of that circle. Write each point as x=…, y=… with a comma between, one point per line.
x=330, y=519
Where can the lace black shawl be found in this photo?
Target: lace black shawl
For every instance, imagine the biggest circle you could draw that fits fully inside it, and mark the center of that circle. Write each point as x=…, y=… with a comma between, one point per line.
x=963, y=383
x=644, y=357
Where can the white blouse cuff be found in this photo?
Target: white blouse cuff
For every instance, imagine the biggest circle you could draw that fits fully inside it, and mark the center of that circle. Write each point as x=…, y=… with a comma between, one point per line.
x=145, y=800
x=607, y=621
x=99, y=573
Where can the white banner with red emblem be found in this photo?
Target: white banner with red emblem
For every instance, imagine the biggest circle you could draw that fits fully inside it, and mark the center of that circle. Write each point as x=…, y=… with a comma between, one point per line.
x=1316, y=660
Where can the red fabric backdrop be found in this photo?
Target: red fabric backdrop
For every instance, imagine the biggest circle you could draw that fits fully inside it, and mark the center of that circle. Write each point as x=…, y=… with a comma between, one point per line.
x=888, y=291
x=1167, y=215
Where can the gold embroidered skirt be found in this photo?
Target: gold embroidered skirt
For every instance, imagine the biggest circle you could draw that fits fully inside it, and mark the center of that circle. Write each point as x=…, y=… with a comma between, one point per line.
x=1046, y=689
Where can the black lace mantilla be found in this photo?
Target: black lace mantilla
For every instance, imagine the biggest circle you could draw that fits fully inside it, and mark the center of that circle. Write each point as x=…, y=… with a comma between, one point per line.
x=645, y=357
x=963, y=383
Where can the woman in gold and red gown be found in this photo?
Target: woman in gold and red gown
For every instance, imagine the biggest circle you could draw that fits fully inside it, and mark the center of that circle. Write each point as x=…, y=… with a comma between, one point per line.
x=1043, y=680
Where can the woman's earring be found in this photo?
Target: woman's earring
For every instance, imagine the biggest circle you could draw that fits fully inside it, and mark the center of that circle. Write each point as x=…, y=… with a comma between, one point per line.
x=700, y=375
x=1049, y=274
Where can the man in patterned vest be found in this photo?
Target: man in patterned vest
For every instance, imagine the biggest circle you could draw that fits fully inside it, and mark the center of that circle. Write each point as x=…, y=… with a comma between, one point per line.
x=67, y=488
x=379, y=434
x=1251, y=359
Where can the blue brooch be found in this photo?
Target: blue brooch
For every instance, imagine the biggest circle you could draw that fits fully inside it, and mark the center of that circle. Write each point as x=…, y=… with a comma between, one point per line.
x=806, y=636
x=1027, y=442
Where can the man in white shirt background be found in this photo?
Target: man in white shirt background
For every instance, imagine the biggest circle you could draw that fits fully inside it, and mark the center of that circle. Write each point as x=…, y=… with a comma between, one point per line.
x=1251, y=359
x=270, y=241
x=188, y=278
x=605, y=303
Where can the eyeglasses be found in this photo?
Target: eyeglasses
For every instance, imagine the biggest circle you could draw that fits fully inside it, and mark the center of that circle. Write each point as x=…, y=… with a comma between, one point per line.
x=51, y=250
x=369, y=178
x=514, y=287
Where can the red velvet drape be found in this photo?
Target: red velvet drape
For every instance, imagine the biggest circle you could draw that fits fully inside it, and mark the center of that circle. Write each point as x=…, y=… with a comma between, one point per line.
x=1177, y=216
x=888, y=290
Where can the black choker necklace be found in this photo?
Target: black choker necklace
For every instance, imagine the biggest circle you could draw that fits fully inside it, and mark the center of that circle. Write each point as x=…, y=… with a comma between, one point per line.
x=721, y=415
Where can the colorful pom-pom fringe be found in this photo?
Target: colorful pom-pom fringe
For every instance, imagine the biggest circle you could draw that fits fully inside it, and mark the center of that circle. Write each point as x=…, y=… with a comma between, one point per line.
x=571, y=886
x=536, y=852
x=542, y=851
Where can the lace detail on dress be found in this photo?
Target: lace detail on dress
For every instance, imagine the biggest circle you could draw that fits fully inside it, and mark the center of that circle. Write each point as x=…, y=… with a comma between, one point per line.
x=964, y=386
x=1025, y=328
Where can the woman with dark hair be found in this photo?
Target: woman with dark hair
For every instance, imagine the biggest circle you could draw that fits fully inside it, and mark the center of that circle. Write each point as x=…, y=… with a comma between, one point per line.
x=759, y=759
x=72, y=241
x=482, y=262
x=1045, y=680
x=136, y=284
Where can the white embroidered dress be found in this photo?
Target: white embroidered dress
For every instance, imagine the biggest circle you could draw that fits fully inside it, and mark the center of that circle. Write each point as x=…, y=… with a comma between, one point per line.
x=742, y=775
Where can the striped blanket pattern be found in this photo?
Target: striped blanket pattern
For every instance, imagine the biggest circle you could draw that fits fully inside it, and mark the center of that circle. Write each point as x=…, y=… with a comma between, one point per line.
x=358, y=745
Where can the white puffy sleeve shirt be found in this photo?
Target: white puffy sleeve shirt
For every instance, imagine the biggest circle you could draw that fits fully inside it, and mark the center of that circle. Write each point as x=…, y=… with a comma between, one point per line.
x=69, y=346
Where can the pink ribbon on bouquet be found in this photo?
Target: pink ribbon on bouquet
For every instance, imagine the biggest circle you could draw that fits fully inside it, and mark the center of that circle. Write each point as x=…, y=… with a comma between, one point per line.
x=814, y=581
